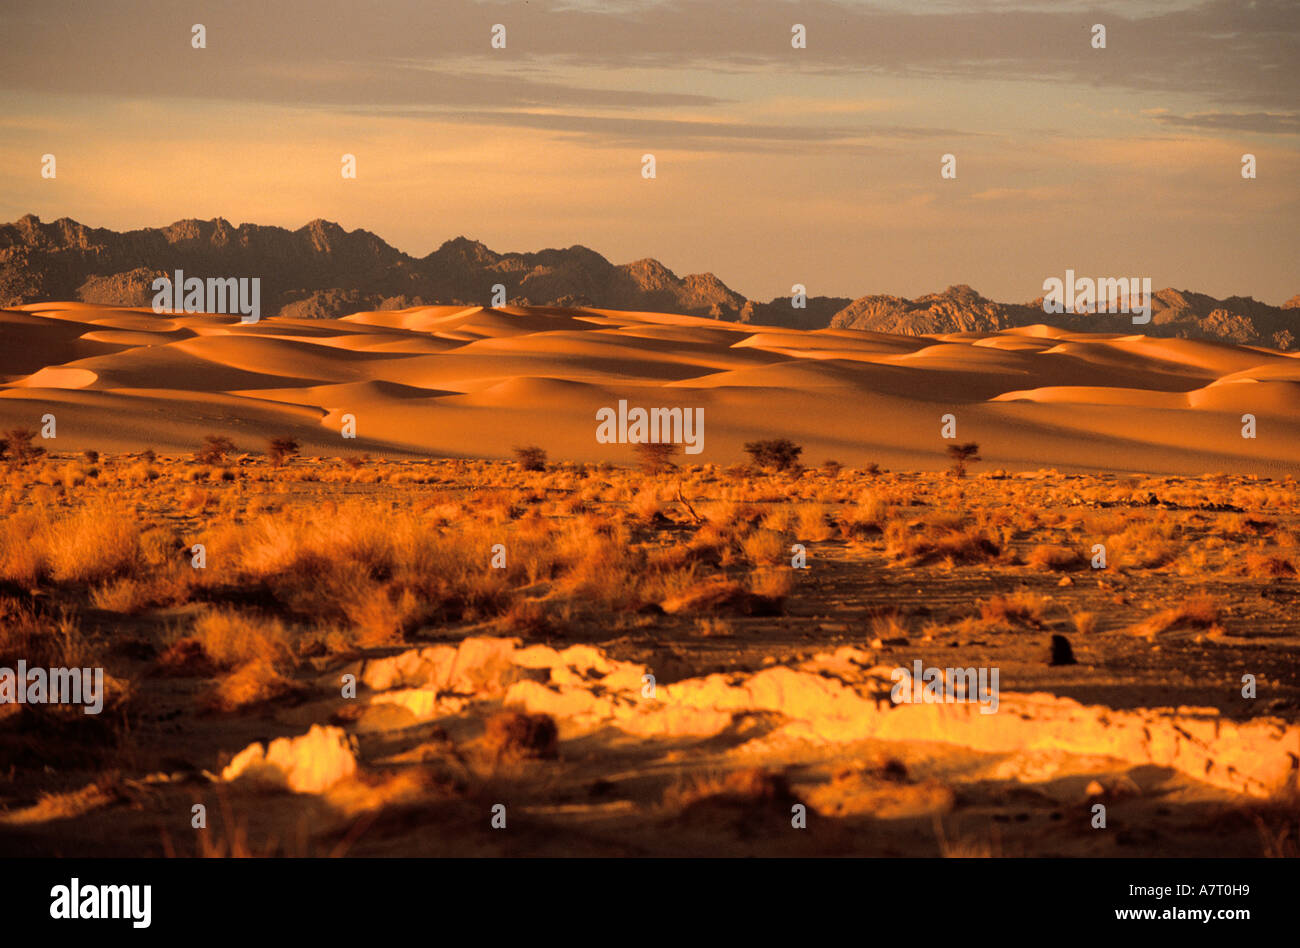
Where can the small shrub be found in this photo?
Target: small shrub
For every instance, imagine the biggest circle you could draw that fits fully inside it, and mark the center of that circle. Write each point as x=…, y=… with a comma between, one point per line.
x=655, y=457
x=531, y=458
x=280, y=450
x=780, y=454
x=961, y=455
x=214, y=450
x=17, y=446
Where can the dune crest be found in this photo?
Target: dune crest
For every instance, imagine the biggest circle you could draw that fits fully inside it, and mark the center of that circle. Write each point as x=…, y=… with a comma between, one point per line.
x=476, y=381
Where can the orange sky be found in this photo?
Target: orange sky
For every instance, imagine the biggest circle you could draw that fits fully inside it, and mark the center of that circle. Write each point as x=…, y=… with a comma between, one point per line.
x=775, y=165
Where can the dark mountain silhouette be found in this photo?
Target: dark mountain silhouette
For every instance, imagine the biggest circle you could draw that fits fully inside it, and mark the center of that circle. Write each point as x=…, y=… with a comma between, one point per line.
x=1176, y=313
x=321, y=270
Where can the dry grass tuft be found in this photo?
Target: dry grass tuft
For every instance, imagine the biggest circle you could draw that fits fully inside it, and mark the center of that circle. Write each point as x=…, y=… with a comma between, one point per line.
x=231, y=638
x=514, y=735
x=1198, y=612
x=1047, y=556
x=1020, y=608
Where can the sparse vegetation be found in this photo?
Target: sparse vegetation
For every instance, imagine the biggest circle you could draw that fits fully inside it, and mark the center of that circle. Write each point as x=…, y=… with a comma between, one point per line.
x=961, y=456
x=655, y=457
x=774, y=454
x=531, y=458
x=280, y=450
x=322, y=566
x=16, y=446
x=214, y=450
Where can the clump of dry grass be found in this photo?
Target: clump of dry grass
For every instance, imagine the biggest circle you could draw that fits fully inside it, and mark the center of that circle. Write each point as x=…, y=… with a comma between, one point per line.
x=750, y=787
x=1269, y=566
x=764, y=547
x=23, y=558
x=1084, y=622
x=41, y=639
x=869, y=515
x=1019, y=608
x=1048, y=556
x=252, y=683
x=772, y=583
x=232, y=638
x=713, y=627
x=1198, y=612
x=946, y=539
x=94, y=543
x=380, y=615
x=124, y=595
x=1144, y=544
x=515, y=735
x=529, y=618
x=811, y=522
x=889, y=628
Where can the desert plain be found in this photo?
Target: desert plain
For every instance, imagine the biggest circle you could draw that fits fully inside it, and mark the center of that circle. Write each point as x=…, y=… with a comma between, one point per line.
x=414, y=642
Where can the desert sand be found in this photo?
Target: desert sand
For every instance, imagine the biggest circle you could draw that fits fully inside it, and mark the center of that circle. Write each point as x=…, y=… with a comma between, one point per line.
x=447, y=381
x=375, y=653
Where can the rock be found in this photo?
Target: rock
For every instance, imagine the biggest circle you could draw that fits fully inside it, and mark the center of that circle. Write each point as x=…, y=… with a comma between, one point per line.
x=311, y=763
x=1062, y=653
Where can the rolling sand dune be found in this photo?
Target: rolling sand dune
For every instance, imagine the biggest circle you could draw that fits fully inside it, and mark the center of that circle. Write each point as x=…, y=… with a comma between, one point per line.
x=471, y=381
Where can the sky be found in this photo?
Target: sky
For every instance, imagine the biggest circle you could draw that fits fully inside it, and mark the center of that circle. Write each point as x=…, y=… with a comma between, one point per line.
x=774, y=165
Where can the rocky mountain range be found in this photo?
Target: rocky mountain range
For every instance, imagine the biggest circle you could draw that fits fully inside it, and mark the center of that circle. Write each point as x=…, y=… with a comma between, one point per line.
x=321, y=270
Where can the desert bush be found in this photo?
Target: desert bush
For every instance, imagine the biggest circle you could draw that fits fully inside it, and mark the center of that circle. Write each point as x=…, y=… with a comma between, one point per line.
x=23, y=558
x=779, y=454
x=94, y=543
x=255, y=682
x=1198, y=612
x=1269, y=566
x=231, y=638
x=1047, y=556
x=869, y=515
x=940, y=539
x=962, y=455
x=530, y=458
x=17, y=447
x=280, y=450
x=214, y=450
x=763, y=547
x=1021, y=608
x=41, y=639
x=811, y=523
x=655, y=457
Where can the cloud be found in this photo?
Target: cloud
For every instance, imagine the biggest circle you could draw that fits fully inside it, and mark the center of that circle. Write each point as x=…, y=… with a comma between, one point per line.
x=331, y=53
x=649, y=131
x=1267, y=123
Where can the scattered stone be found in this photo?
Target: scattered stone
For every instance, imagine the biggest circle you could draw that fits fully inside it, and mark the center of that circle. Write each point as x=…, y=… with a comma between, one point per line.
x=1062, y=653
x=311, y=763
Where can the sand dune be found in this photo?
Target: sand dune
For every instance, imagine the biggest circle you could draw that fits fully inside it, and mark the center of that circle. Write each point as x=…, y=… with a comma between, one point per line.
x=473, y=381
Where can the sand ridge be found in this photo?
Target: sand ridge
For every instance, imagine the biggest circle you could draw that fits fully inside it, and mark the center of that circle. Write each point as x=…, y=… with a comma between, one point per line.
x=476, y=381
